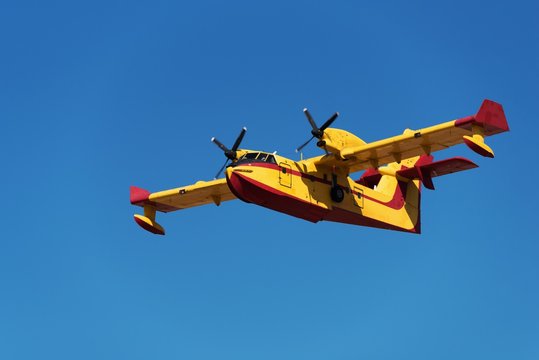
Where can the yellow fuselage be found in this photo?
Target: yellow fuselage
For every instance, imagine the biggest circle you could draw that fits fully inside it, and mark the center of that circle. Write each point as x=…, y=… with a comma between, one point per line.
x=292, y=188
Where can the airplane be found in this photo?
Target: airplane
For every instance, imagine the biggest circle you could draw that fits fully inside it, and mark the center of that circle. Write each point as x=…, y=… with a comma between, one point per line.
x=386, y=196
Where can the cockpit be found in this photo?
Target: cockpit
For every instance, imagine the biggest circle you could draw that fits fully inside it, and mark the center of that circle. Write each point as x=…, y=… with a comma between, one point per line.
x=253, y=157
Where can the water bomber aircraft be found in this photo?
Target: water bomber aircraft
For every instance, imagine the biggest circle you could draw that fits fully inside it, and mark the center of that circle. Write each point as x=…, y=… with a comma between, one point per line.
x=387, y=195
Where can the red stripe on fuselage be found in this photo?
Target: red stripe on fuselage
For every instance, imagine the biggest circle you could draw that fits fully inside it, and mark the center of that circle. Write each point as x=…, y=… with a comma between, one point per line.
x=397, y=202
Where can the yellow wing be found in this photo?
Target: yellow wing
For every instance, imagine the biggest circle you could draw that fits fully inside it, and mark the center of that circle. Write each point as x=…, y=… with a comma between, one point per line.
x=470, y=130
x=200, y=193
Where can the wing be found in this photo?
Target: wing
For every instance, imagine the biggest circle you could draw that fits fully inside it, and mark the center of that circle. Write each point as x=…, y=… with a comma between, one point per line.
x=471, y=130
x=200, y=193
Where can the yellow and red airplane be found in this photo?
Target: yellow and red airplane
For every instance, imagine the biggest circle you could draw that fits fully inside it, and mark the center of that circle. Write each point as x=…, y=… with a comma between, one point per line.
x=387, y=195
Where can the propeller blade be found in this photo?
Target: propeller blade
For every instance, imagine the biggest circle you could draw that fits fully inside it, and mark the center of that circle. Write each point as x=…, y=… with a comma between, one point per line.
x=302, y=146
x=221, y=169
x=239, y=139
x=316, y=131
x=329, y=122
x=219, y=144
x=310, y=118
x=231, y=154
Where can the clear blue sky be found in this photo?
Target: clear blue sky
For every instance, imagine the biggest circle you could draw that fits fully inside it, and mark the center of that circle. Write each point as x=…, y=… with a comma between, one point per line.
x=97, y=96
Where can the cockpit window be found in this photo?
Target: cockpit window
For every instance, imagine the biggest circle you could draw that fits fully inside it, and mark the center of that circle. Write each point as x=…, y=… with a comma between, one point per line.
x=250, y=156
x=256, y=157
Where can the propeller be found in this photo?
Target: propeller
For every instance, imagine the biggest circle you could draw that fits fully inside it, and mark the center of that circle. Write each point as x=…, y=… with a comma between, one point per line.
x=317, y=132
x=231, y=154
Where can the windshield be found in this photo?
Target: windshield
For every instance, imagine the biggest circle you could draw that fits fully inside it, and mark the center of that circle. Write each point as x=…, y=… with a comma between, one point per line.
x=256, y=157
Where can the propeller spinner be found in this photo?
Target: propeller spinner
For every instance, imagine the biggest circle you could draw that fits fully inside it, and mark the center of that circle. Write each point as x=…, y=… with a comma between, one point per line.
x=317, y=132
x=231, y=154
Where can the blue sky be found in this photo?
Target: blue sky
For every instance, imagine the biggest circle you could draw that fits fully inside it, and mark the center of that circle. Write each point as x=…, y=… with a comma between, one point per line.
x=97, y=96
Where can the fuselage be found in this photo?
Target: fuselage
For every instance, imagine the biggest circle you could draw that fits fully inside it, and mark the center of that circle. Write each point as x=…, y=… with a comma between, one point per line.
x=302, y=190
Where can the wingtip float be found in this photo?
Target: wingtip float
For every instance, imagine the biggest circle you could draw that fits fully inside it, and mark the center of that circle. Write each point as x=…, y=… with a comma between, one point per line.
x=489, y=120
x=387, y=195
x=147, y=221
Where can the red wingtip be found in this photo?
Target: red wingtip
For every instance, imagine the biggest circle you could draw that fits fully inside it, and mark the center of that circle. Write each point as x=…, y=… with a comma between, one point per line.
x=138, y=195
x=492, y=117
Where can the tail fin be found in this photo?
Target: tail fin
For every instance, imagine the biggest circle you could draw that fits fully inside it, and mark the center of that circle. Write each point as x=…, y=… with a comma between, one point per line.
x=405, y=193
x=402, y=181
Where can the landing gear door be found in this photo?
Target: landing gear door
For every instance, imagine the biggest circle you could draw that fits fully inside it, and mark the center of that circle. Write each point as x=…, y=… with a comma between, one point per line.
x=285, y=176
x=358, y=197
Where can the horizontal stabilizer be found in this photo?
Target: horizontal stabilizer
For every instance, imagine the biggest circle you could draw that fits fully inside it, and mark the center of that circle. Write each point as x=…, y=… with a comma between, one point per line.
x=426, y=170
